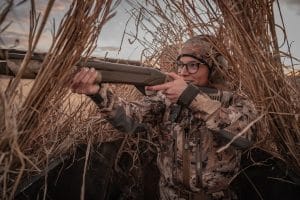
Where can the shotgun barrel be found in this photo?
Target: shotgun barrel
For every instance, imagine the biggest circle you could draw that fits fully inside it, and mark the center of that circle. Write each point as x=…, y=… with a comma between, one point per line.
x=109, y=72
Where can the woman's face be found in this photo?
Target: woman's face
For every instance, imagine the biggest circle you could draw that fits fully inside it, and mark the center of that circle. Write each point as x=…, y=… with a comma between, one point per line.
x=200, y=77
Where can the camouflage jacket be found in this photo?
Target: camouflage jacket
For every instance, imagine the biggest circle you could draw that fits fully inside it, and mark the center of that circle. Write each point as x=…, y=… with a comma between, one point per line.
x=193, y=129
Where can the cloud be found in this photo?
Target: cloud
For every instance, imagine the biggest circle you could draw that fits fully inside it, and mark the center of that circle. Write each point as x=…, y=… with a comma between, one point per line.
x=14, y=35
x=109, y=39
x=13, y=40
x=108, y=48
x=19, y=40
x=60, y=6
x=20, y=14
x=293, y=2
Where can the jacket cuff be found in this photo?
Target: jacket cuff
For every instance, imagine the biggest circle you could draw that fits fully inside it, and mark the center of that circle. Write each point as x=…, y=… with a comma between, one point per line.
x=188, y=95
x=97, y=99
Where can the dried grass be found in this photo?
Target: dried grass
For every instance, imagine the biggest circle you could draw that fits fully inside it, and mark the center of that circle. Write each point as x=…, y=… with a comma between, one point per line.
x=43, y=128
x=245, y=35
x=51, y=121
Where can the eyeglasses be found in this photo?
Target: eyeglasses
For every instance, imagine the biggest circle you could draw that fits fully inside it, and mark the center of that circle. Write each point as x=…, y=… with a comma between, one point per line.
x=191, y=67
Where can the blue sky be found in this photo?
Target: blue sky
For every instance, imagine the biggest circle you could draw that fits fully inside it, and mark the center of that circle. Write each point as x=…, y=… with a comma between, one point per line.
x=110, y=38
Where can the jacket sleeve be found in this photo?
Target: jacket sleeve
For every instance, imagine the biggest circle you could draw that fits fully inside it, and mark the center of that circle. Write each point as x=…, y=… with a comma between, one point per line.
x=126, y=116
x=233, y=117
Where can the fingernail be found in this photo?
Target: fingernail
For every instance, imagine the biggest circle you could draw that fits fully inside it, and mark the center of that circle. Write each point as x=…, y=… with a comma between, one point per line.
x=92, y=69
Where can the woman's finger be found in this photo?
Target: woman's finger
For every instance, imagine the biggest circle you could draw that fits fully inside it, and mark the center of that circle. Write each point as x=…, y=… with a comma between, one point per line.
x=164, y=86
x=93, y=76
x=82, y=74
x=87, y=76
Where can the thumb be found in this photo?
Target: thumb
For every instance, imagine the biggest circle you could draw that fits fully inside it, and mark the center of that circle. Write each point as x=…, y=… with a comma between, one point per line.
x=173, y=75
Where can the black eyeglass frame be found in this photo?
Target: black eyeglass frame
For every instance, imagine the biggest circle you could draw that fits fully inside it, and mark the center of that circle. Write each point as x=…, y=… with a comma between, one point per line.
x=180, y=66
x=201, y=61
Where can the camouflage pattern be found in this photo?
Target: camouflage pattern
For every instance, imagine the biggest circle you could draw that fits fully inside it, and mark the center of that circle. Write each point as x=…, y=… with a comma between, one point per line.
x=201, y=46
x=2, y=111
x=204, y=114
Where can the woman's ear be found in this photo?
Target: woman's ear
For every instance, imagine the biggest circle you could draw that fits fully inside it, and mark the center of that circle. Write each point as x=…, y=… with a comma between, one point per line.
x=219, y=70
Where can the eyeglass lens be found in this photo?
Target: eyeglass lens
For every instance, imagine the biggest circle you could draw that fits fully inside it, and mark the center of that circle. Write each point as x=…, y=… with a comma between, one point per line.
x=190, y=67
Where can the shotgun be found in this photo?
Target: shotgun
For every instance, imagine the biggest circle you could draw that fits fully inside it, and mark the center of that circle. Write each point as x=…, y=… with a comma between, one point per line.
x=139, y=76
x=108, y=72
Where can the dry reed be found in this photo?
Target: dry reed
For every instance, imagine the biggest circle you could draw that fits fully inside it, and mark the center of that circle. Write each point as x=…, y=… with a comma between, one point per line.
x=51, y=121
x=245, y=35
x=40, y=130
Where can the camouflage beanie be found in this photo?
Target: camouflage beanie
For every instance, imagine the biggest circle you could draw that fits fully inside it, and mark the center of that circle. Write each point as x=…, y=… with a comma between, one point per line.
x=201, y=48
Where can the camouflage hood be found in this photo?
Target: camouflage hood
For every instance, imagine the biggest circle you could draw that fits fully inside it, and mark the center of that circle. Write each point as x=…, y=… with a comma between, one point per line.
x=202, y=47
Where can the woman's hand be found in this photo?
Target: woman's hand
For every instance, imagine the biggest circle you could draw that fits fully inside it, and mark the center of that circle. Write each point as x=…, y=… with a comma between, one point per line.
x=84, y=82
x=172, y=89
